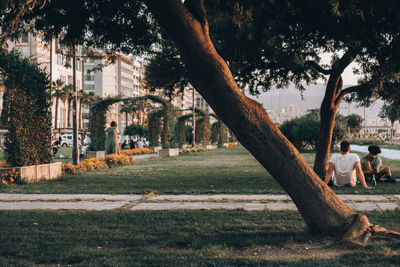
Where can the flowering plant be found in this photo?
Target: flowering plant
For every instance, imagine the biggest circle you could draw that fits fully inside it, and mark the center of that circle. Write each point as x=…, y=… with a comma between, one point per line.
x=231, y=144
x=110, y=161
x=137, y=151
x=192, y=149
x=9, y=176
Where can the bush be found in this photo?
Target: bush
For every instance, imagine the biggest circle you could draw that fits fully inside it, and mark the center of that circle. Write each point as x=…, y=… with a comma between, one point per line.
x=115, y=160
x=26, y=111
x=69, y=169
x=303, y=132
x=192, y=149
x=137, y=151
x=110, y=161
x=9, y=177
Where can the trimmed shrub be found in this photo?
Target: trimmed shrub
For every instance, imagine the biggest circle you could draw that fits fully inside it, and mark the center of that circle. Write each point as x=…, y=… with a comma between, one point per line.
x=26, y=111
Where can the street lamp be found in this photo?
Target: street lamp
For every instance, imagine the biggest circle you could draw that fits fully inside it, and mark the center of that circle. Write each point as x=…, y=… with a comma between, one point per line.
x=75, y=145
x=194, y=118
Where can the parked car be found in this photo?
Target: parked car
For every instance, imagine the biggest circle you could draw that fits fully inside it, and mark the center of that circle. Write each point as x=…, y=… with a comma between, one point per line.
x=67, y=140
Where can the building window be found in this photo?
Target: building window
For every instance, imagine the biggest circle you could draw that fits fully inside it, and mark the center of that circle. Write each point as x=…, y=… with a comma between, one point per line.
x=89, y=87
x=89, y=77
x=198, y=102
x=59, y=59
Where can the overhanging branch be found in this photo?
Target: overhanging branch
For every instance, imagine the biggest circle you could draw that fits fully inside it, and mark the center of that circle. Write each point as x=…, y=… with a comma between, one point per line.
x=318, y=67
x=352, y=89
x=345, y=60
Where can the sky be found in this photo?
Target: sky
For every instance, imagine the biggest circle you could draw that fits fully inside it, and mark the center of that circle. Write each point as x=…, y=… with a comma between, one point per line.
x=312, y=97
x=348, y=76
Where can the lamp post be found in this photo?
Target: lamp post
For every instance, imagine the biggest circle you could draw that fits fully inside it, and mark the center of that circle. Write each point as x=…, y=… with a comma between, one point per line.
x=75, y=145
x=194, y=118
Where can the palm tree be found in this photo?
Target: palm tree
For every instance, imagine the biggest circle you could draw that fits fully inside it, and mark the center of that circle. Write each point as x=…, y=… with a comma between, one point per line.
x=58, y=93
x=126, y=108
x=83, y=98
x=68, y=90
x=143, y=108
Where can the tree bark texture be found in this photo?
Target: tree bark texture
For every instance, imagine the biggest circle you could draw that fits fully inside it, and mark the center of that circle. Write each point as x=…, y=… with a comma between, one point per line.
x=332, y=98
x=329, y=106
x=320, y=207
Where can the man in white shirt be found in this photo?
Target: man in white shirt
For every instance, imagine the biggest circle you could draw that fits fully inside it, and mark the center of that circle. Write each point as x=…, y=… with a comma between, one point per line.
x=345, y=166
x=140, y=144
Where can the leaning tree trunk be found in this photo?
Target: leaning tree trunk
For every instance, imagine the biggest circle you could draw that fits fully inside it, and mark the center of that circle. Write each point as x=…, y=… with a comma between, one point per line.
x=320, y=207
x=328, y=110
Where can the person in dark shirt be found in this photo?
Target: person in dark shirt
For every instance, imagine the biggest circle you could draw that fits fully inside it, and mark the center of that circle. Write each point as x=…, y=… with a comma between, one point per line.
x=371, y=163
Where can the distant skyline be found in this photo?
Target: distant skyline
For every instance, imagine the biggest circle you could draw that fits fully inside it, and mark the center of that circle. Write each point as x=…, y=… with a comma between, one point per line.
x=276, y=99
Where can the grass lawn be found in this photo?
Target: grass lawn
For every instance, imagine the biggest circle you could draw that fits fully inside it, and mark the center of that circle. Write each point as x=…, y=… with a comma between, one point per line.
x=220, y=171
x=180, y=238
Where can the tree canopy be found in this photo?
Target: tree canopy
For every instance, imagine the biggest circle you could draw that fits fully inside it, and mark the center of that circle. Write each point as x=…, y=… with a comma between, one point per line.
x=209, y=73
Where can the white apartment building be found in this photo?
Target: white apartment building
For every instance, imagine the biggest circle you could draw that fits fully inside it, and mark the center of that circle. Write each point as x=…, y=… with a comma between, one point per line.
x=33, y=47
x=185, y=100
x=202, y=104
x=123, y=77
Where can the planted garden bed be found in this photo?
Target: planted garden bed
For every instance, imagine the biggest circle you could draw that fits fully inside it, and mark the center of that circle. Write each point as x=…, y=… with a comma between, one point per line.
x=34, y=173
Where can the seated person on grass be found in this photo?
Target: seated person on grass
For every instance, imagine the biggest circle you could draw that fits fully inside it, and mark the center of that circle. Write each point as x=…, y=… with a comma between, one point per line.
x=370, y=165
x=345, y=165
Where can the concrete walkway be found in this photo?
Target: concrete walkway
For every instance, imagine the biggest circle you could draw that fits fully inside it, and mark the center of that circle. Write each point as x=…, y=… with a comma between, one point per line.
x=176, y=202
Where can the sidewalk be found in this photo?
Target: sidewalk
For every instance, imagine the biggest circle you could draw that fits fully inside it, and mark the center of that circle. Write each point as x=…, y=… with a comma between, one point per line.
x=177, y=202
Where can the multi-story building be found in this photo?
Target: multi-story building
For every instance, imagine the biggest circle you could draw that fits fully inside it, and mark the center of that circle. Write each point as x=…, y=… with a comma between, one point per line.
x=103, y=82
x=202, y=104
x=57, y=63
x=185, y=100
x=122, y=77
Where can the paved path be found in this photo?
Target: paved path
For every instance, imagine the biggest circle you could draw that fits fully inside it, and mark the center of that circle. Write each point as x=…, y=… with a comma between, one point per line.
x=176, y=202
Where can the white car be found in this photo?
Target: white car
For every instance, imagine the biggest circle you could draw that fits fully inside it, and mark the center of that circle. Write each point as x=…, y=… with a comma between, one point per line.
x=67, y=140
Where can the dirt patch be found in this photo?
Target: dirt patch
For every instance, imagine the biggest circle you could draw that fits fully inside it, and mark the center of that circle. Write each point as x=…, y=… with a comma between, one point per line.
x=293, y=251
x=297, y=251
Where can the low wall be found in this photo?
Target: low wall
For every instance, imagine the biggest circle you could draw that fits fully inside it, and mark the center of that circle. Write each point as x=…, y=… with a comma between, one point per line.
x=35, y=173
x=171, y=152
x=95, y=154
x=156, y=148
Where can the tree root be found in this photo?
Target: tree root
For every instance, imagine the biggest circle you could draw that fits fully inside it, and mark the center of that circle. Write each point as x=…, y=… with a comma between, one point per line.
x=361, y=231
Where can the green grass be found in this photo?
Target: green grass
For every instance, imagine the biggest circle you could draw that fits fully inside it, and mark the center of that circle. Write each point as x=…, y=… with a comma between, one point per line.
x=221, y=171
x=179, y=238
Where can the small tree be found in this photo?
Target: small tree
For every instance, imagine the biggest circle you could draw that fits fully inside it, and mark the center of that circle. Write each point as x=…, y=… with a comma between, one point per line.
x=27, y=111
x=354, y=123
x=303, y=132
x=392, y=113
